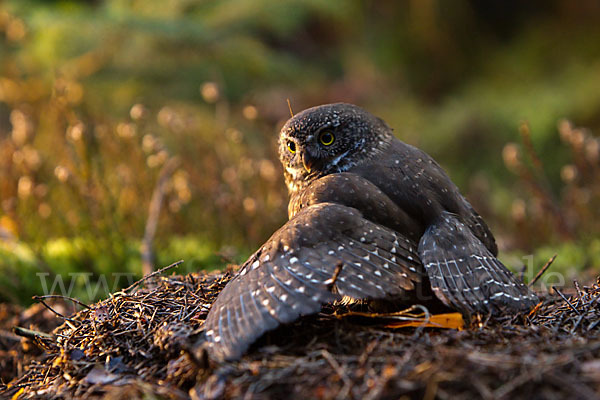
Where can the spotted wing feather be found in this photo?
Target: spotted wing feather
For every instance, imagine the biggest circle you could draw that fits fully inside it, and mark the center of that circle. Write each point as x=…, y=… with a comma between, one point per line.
x=463, y=272
x=355, y=191
x=290, y=275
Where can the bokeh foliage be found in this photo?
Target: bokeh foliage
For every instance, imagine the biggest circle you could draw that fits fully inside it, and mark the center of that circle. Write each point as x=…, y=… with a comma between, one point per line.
x=96, y=97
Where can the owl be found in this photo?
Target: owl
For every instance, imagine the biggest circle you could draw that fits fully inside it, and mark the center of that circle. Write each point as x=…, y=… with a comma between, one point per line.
x=370, y=218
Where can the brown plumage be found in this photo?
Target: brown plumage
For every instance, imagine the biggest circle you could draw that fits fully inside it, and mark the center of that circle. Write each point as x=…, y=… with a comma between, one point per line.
x=384, y=211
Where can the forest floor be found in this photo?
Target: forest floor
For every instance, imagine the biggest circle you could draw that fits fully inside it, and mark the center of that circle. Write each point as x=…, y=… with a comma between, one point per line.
x=145, y=341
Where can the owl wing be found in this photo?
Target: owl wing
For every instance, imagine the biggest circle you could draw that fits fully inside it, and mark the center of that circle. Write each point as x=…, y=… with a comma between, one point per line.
x=292, y=274
x=354, y=191
x=479, y=228
x=464, y=274
x=417, y=184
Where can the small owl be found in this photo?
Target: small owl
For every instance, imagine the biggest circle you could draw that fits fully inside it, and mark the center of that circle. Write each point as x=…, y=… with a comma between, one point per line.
x=370, y=218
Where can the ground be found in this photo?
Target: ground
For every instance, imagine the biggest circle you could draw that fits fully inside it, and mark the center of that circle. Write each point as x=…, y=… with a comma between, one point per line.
x=147, y=339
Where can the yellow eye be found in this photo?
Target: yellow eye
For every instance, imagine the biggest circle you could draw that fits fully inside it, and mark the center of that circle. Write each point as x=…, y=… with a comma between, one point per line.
x=326, y=138
x=291, y=147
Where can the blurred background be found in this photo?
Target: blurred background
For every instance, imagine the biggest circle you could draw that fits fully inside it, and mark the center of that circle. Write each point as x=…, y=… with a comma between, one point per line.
x=107, y=103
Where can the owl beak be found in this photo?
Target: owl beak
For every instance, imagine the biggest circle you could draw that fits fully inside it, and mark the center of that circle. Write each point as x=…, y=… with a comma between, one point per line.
x=309, y=161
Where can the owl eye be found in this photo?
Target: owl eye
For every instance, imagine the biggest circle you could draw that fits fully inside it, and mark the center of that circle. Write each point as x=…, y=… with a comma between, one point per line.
x=326, y=138
x=291, y=147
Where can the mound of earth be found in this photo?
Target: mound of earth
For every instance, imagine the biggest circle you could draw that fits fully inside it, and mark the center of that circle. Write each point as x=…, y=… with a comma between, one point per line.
x=147, y=340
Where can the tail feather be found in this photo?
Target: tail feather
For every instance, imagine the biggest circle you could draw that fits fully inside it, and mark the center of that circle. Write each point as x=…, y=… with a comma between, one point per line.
x=465, y=275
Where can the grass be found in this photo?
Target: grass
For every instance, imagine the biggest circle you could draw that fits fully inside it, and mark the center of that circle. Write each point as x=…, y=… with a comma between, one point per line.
x=77, y=267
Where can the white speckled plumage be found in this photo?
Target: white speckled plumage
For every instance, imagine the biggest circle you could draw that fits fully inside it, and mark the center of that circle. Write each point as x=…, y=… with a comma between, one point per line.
x=381, y=213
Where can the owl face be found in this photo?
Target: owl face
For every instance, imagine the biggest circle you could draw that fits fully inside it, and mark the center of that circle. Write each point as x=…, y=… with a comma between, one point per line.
x=327, y=139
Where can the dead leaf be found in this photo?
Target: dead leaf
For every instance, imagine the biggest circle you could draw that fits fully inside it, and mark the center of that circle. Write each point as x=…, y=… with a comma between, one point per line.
x=443, y=321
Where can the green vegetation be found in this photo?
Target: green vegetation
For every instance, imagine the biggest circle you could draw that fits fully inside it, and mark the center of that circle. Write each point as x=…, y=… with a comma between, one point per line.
x=96, y=97
x=73, y=267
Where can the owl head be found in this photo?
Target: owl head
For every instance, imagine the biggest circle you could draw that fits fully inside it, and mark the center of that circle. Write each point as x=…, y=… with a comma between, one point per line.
x=327, y=139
